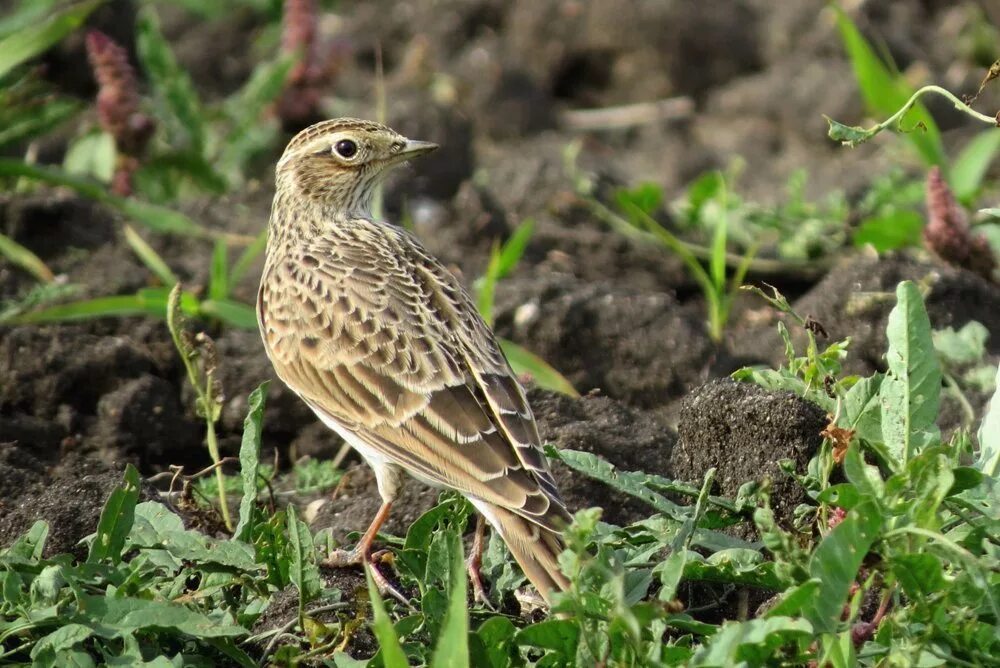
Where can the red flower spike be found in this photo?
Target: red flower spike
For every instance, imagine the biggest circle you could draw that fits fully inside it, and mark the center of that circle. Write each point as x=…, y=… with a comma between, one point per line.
x=948, y=233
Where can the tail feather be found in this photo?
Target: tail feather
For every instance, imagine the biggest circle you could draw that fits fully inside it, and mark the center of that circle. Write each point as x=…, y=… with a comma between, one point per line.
x=535, y=548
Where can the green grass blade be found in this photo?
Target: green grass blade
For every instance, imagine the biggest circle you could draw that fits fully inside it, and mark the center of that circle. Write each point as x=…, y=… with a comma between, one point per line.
x=717, y=261
x=172, y=83
x=153, y=261
x=250, y=461
x=969, y=168
x=100, y=307
x=24, y=258
x=513, y=249
x=116, y=520
x=486, y=286
x=302, y=569
x=36, y=119
x=230, y=312
x=247, y=258
x=218, y=277
x=884, y=92
x=527, y=363
x=452, y=649
x=389, y=648
x=151, y=216
x=33, y=39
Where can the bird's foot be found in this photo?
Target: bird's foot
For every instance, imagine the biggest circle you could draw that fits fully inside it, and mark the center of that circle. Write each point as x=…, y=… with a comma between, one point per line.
x=474, y=566
x=357, y=557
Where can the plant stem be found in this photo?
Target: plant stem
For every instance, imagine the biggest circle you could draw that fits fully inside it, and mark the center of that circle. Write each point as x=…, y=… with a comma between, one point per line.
x=220, y=478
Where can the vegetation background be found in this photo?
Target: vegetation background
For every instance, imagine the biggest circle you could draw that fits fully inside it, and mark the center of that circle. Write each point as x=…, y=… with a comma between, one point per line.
x=803, y=472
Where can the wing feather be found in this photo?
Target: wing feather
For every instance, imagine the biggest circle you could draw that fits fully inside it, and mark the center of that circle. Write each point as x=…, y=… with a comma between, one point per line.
x=378, y=336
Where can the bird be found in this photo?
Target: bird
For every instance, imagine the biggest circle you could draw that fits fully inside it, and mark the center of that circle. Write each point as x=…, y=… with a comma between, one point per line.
x=388, y=349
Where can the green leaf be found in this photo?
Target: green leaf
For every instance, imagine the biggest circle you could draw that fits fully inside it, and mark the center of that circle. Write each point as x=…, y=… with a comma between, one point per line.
x=302, y=568
x=156, y=527
x=496, y=636
x=230, y=312
x=525, y=363
x=247, y=257
x=752, y=642
x=971, y=165
x=921, y=575
x=33, y=118
x=35, y=38
x=389, y=648
x=794, y=599
x=910, y=393
x=452, y=649
x=900, y=228
x=966, y=346
x=988, y=460
x=559, y=635
x=862, y=411
x=218, y=278
x=647, y=197
x=30, y=545
x=848, y=135
x=836, y=561
x=64, y=637
x=20, y=256
x=153, y=260
x=94, y=154
x=142, y=303
x=156, y=218
x=885, y=93
x=170, y=81
x=503, y=260
x=119, y=617
x=116, y=520
x=250, y=460
x=633, y=483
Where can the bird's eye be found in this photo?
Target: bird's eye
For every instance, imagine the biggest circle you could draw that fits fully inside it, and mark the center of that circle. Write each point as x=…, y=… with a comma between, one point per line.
x=345, y=148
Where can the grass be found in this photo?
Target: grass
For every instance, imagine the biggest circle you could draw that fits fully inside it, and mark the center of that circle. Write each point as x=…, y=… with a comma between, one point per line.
x=895, y=515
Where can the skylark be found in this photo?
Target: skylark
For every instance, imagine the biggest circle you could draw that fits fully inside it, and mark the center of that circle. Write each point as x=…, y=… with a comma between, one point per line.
x=388, y=349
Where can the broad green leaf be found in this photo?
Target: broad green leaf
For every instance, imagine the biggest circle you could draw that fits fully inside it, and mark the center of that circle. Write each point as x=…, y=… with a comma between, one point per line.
x=157, y=527
x=118, y=617
x=116, y=520
x=389, y=648
x=965, y=346
x=302, y=568
x=64, y=637
x=910, y=393
x=920, y=574
x=250, y=460
x=988, y=460
x=36, y=38
x=496, y=636
x=885, y=92
x=528, y=364
x=633, y=483
x=750, y=643
x=153, y=260
x=20, y=256
x=891, y=231
x=836, y=561
x=794, y=599
x=559, y=635
x=969, y=168
x=171, y=82
x=452, y=649
x=732, y=566
x=30, y=545
x=862, y=411
x=93, y=155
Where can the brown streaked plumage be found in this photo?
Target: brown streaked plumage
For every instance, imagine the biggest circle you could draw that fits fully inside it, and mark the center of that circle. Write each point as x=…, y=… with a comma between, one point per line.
x=388, y=349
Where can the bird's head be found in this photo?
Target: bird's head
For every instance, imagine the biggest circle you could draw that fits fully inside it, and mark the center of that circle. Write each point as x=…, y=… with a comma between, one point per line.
x=339, y=163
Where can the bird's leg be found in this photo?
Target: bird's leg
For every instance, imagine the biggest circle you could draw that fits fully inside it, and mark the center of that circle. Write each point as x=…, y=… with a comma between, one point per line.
x=362, y=554
x=475, y=562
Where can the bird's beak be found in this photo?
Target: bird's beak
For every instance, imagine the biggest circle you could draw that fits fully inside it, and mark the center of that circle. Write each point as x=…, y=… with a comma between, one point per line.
x=415, y=149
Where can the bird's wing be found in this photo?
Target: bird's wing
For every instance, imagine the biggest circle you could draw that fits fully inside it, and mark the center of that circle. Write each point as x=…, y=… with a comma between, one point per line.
x=376, y=334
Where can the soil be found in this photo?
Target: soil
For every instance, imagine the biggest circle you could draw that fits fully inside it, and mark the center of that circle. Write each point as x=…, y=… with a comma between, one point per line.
x=491, y=82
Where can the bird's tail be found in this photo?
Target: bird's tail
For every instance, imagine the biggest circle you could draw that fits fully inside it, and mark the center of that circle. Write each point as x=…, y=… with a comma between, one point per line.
x=535, y=548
